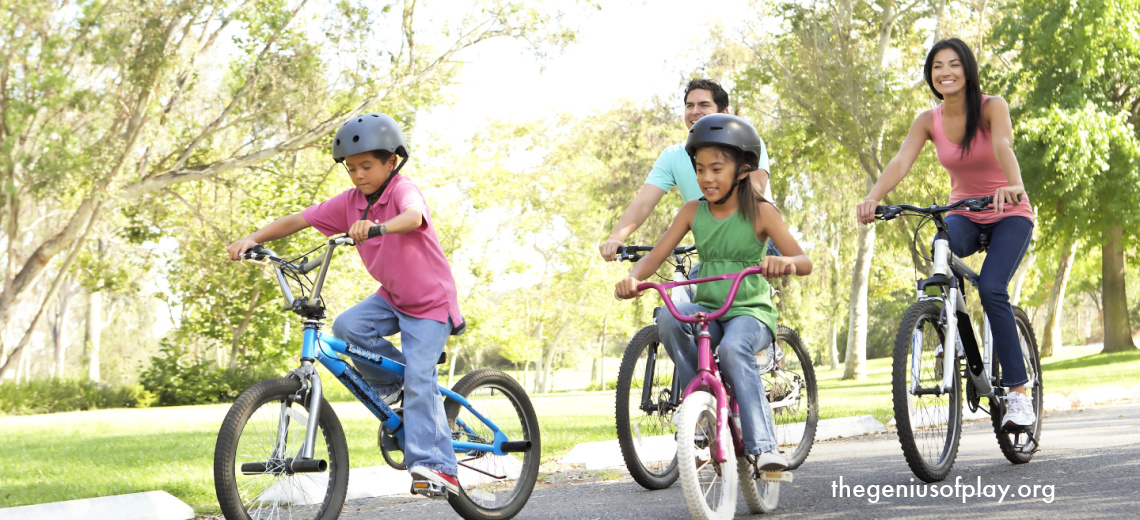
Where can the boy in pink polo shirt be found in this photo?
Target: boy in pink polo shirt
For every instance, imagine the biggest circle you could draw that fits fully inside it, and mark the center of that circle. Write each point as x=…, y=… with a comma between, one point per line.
x=417, y=295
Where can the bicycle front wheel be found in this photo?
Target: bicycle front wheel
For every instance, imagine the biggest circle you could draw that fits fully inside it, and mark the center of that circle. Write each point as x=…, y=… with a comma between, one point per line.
x=644, y=411
x=493, y=487
x=709, y=486
x=1019, y=446
x=929, y=421
x=252, y=473
x=793, y=396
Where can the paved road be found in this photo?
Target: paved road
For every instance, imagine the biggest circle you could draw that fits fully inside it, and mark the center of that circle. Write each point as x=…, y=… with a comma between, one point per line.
x=1087, y=467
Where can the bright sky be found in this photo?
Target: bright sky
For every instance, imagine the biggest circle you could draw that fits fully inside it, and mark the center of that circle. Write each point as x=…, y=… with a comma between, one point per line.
x=627, y=49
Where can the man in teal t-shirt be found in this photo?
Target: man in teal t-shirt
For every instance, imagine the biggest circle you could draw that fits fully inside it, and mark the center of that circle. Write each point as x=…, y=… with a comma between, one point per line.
x=674, y=168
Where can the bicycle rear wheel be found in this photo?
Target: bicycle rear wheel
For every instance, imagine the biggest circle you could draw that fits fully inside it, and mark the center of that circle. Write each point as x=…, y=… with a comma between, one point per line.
x=761, y=496
x=493, y=487
x=266, y=487
x=793, y=396
x=644, y=411
x=1019, y=446
x=929, y=424
x=709, y=486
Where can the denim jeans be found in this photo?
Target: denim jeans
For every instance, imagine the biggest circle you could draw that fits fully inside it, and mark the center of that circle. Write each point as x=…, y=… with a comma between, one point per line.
x=739, y=339
x=426, y=434
x=1009, y=239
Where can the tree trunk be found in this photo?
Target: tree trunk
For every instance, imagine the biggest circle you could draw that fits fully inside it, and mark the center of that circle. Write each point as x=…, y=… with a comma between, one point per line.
x=1051, y=335
x=1117, y=332
x=1019, y=276
x=833, y=351
x=59, y=327
x=856, y=365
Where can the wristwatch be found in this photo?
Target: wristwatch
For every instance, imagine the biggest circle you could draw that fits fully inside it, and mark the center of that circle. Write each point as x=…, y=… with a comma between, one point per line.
x=383, y=229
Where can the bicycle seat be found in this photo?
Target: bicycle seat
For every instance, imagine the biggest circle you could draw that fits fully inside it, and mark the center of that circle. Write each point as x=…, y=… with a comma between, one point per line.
x=983, y=240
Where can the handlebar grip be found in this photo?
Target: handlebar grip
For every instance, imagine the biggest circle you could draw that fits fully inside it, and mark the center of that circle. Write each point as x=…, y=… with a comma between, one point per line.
x=374, y=231
x=255, y=253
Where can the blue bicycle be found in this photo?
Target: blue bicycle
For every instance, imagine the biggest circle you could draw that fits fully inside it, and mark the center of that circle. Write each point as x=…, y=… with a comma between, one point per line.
x=281, y=450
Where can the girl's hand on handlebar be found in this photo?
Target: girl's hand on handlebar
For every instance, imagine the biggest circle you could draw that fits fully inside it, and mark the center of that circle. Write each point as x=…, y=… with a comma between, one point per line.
x=865, y=210
x=1007, y=195
x=777, y=266
x=627, y=289
x=236, y=249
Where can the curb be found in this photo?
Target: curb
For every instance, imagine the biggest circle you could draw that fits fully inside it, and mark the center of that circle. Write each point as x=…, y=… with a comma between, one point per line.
x=152, y=505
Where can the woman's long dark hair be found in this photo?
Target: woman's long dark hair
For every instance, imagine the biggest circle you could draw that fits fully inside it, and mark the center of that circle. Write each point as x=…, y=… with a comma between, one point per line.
x=973, y=88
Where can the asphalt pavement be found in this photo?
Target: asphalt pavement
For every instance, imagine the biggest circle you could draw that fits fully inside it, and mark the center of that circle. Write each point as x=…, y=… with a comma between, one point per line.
x=1087, y=467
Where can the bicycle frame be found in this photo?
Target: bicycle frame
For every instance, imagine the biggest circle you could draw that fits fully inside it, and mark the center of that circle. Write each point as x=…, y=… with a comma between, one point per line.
x=326, y=349
x=707, y=372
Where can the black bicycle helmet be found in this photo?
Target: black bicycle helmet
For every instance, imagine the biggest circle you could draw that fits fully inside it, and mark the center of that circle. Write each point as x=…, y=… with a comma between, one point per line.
x=725, y=130
x=367, y=133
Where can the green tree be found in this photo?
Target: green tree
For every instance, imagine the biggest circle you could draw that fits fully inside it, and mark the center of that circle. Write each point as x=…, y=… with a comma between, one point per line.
x=1079, y=68
x=104, y=104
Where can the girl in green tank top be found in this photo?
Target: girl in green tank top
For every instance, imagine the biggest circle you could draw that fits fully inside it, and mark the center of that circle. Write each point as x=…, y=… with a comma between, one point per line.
x=731, y=226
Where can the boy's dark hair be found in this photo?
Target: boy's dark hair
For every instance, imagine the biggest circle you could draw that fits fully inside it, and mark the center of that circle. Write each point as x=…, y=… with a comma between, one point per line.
x=973, y=88
x=719, y=95
x=382, y=155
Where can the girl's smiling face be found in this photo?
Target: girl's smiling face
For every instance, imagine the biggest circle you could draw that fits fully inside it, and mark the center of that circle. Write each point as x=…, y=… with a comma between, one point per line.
x=367, y=172
x=716, y=172
x=947, y=73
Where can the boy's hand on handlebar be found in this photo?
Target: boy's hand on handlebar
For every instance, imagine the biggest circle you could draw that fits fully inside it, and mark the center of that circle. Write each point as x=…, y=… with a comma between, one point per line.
x=1007, y=195
x=359, y=230
x=236, y=249
x=627, y=289
x=777, y=266
x=865, y=210
x=608, y=249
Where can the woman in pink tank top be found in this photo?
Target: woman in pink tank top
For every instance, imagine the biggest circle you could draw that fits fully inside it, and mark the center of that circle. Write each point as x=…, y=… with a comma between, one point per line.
x=973, y=137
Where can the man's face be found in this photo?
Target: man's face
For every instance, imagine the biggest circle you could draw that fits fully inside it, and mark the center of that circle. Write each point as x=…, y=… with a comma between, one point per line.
x=699, y=103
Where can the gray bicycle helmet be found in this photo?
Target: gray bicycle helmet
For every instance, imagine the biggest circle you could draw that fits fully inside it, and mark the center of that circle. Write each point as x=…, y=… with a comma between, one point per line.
x=725, y=130
x=367, y=133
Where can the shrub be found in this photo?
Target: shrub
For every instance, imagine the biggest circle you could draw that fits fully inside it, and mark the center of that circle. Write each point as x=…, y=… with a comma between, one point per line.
x=178, y=378
x=66, y=395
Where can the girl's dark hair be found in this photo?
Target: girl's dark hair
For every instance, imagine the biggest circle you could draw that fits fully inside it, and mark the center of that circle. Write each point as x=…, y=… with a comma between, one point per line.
x=973, y=88
x=745, y=194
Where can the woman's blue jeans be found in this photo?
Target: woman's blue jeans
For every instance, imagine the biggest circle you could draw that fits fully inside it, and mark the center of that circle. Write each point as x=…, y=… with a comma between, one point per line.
x=1009, y=239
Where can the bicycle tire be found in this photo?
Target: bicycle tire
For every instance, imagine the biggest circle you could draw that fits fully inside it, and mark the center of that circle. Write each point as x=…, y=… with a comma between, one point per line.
x=929, y=426
x=248, y=435
x=793, y=375
x=638, y=430
x=709, y=487
x=500, y=398
x=1016, y=449
x=760, y=496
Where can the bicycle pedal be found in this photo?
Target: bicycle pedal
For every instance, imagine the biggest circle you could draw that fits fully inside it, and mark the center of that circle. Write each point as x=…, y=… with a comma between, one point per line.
x=428, y=489
x=776, y=476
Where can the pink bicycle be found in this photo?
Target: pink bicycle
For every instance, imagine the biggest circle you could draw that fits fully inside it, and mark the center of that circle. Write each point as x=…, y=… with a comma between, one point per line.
x=710, y=452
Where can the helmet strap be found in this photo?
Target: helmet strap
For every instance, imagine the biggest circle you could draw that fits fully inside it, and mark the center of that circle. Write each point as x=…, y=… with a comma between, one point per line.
x=731, y=189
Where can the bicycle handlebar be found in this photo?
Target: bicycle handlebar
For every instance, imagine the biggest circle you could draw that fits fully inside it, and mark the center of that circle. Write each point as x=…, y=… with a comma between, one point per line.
x=972, y=204
x=630, y=253
x=735, y=277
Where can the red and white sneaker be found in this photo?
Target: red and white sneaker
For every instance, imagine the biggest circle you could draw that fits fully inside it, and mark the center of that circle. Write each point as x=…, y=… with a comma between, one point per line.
x=432, y=483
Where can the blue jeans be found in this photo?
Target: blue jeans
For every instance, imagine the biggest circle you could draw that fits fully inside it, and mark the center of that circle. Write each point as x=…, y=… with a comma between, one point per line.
x=1009, y=239
x=739, y=340
x=427, y=437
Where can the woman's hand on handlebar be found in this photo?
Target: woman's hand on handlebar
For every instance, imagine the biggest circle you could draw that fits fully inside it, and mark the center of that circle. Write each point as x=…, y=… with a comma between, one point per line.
x=608, y=249
x=865, y=210
x=1007, y=195
x=240, y=246
x=627, y=289
x=777, y=266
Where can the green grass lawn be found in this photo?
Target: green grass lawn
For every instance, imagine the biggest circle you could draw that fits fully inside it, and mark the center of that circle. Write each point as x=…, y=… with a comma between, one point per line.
x=73, y=455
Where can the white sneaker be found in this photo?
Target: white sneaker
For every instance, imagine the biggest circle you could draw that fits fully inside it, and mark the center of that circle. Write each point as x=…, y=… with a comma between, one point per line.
x=771, y=461
x=1019, y=411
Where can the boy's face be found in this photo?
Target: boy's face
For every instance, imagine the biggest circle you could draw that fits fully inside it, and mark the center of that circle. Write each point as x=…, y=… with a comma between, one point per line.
x=367, y=172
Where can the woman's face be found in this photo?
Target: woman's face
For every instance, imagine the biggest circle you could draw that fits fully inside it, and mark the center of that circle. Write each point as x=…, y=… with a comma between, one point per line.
x=947, y=73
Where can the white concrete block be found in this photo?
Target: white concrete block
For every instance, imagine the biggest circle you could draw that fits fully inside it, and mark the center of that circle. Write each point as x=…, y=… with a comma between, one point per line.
x=1055, y=402
x=848, y=427
x=152, y=505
